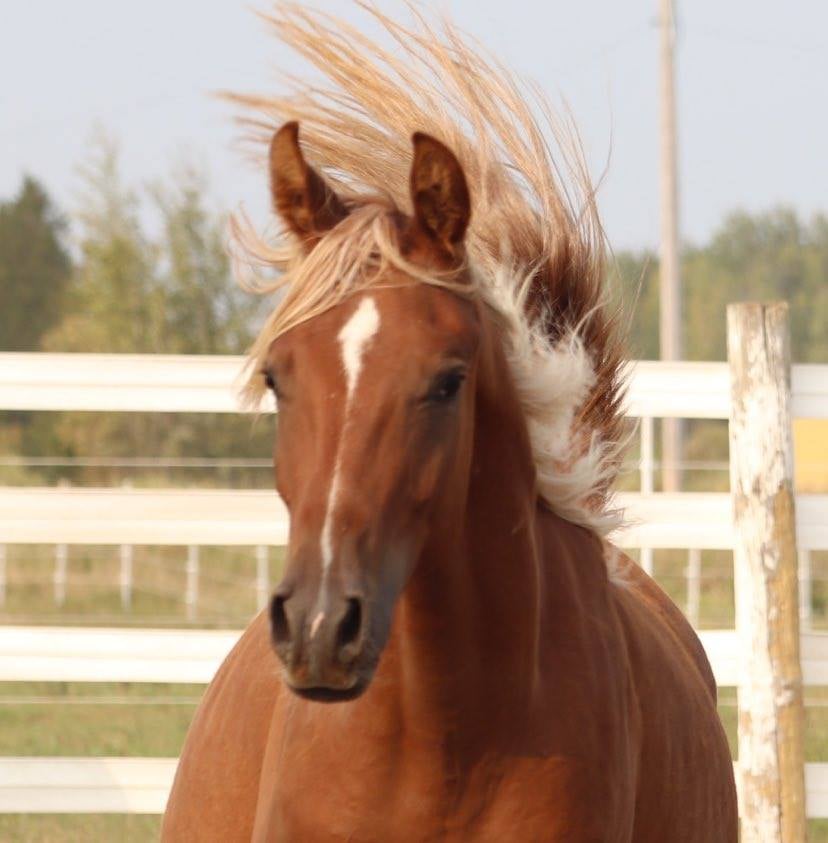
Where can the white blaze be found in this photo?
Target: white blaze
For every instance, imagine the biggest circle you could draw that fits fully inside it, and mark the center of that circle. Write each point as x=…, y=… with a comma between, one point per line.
x=354, y=338
x=316, y=623
x=355, y=335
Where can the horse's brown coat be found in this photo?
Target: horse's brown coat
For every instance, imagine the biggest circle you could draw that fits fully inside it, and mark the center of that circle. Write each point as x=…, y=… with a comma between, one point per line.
x=522, y=695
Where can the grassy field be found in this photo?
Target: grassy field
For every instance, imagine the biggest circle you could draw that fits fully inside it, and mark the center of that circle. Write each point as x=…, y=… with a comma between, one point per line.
x=139, y=719
x=69, y=719
x=226, y=586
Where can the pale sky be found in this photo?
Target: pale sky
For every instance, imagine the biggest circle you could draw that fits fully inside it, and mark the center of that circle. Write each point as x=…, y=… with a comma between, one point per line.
x=752, y=79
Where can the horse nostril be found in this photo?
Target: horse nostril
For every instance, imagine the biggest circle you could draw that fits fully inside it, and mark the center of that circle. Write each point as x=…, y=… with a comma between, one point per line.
x=279, y=627
x=350, y=627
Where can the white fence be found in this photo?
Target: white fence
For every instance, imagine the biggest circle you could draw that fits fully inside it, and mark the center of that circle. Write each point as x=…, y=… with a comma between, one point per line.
x=124, y=517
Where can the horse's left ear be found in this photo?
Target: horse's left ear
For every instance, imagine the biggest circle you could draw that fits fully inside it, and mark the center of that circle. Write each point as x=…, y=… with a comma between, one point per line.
x=439, y=192
x=301, y=197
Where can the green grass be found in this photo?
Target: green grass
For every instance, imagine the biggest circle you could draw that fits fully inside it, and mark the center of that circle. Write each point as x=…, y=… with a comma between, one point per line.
x=79, y=828
x=74, y=718
x=226, y=586
x=116, y=719
x=139, y=719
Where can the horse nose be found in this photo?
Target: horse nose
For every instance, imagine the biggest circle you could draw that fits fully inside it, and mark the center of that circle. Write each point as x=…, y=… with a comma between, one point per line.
x=281, y=628
x=324, y=639
x=349, y=629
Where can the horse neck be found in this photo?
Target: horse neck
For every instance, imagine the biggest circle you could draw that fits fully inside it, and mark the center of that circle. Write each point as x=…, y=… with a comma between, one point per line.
x=469, y=617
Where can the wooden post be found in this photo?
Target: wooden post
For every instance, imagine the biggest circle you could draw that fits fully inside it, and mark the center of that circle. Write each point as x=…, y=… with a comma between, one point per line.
x=771, y=715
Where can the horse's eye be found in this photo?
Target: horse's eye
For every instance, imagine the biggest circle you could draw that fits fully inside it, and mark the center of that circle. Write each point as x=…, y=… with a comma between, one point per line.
x=270, y=383
x=446, y=386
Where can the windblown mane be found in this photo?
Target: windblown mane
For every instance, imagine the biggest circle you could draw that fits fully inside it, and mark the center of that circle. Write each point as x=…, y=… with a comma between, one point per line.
x=535, y=243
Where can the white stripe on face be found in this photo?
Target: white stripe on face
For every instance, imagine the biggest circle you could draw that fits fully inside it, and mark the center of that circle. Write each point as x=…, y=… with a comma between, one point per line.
x=355, y=335
x=354, y=338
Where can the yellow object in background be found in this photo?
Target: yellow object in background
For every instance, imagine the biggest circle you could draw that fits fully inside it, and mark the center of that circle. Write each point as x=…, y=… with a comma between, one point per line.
x=811, y=454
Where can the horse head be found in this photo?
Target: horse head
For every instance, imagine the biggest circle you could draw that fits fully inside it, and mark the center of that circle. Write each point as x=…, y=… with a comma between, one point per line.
x=376, y=409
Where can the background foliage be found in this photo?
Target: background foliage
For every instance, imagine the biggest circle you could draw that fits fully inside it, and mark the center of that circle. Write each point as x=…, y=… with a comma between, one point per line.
x=97, y=280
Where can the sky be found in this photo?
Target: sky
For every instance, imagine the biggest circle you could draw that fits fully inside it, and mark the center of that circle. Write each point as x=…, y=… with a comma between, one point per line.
x=751, y=82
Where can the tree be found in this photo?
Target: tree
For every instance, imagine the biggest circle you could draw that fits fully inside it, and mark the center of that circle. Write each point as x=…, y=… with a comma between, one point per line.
x=204, y=311
x=771, y=255
x=113, y=299
x=168, y=292
x=34, y=267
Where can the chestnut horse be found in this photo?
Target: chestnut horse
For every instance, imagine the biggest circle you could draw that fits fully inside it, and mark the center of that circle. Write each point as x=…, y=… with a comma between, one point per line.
x=464, y=655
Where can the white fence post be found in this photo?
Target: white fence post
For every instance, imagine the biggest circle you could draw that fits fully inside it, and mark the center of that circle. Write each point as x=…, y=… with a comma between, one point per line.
x=805, y=593
x=693, y=585
x=61, y=564
x=646, y=468
x=191, y=588
x=262, y=577
x=125, y=577
x=771, y=714
x=2, y=575
x=646, y=463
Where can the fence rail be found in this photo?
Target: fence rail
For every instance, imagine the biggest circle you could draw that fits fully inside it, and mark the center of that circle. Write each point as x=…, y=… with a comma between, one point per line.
x=35, y=515
x=85, y=785
x=169, y=383
x=78, y=654
x=123, y=517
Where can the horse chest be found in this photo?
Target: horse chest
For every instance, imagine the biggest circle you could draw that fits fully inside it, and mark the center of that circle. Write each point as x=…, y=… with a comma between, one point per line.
x=372, y=796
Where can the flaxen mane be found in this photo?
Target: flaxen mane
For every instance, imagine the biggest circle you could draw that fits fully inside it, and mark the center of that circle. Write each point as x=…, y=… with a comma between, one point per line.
x=535, y=243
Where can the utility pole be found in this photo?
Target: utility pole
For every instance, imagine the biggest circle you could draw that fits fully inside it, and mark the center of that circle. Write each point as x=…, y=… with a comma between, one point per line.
x=670, y=279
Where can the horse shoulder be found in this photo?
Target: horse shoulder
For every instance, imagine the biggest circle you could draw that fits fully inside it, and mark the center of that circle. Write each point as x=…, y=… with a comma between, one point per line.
x=685, y=759
x=646, y=600
x=216, y=785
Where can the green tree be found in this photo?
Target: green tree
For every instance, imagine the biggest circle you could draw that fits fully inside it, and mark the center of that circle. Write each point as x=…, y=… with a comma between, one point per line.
x=34, y=267
x=204, y=311
x=170, y=291
x=113, y=303
x=771, y=255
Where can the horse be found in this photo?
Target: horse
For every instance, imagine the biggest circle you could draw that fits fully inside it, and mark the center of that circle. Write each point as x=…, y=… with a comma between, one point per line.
x=460, y=651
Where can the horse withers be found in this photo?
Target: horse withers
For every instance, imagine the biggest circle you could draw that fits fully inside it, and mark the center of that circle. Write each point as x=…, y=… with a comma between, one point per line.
x=462, y=654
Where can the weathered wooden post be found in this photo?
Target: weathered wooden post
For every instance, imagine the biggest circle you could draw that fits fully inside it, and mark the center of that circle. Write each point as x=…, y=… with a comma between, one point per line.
x=771, y=715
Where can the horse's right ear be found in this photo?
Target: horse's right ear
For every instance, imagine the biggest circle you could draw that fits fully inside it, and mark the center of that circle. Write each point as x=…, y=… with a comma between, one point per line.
x=301, y=197
x=439, y=192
